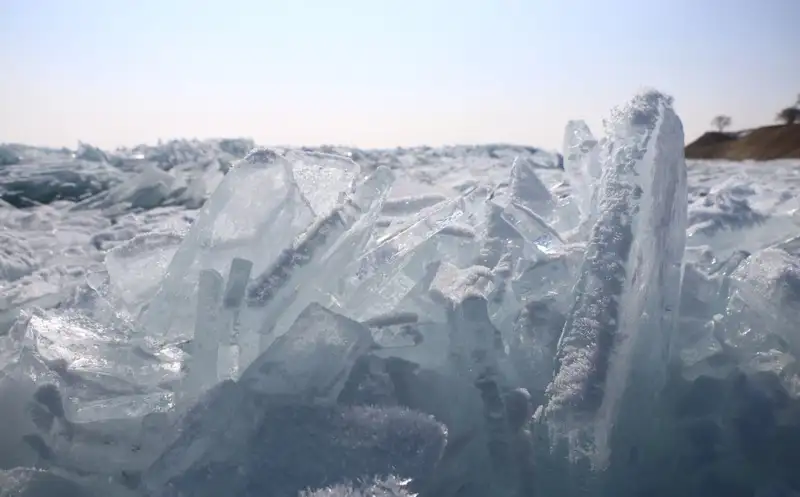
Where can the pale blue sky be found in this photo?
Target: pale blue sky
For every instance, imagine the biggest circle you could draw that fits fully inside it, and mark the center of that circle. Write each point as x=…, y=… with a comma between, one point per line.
x=380, y=73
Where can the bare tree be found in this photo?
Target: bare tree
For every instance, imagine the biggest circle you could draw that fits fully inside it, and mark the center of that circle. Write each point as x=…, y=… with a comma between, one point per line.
x=721, y=122
x=789, y=115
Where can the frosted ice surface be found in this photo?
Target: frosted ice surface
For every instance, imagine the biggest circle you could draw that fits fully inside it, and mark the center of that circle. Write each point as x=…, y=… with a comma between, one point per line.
x=237, y=442
x=389, y=487
x=765, y=301
x=29, y=482
x=17, y=258
x=312, y=360
x=614, y=348
x=724, y=219
x=452, y=289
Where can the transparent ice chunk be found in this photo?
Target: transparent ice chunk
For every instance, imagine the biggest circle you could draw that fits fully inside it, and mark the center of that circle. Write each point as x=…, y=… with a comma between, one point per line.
x=381, y=283
x=204, y=352
x=254, y=214
x=580, y=167
x=136, y=267
x=324, y=179
x=334, y=263
x=312, y=360
x=236, y=286
x=279, y=294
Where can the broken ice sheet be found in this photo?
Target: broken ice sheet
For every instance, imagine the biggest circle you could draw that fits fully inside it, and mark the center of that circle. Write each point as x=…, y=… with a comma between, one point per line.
x=529, y=207
x=312, y=360
x=538, y=234
x=104, y=373
x=135, y=268
x=316, y=262
x=580, y=164
x=254, y=214
x=380, y=280
x=527, y=190
x=407, y=335
x=763, y=308
x=552, y=274
x=323, y=179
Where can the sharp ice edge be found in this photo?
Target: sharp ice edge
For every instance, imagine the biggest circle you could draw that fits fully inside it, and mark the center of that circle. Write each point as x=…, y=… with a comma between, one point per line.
x=301, y=283
x=615, y=346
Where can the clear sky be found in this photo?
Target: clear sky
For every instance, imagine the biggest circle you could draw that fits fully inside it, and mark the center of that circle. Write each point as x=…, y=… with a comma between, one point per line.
x=382, y=73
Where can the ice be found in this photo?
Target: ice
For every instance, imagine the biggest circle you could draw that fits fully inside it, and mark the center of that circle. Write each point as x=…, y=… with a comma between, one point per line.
x=264, y=182
x=764, y=306
x=312, y=360
x=17, y=258
x=57, y=179
x=614, y=349
x=37, y=483
x=326, y=316
x=320, y=253
x=724, y=219
x=238, y=442
x=389, y=487
x=381, y=282
x=104, y=374
x=528, y=190
x=581, y=166
x=204, y=352
x=229, y=351
x=136, y=267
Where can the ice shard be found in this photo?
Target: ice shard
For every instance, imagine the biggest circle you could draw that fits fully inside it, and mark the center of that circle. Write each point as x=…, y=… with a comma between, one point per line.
x=236, y=286
x=312, y=360
x=204, y=351
x=580, y=164
x=381, y=281
x=253, y=214
x=279, y=294
x=613, y=352
x=136, y=267
x=262, y=204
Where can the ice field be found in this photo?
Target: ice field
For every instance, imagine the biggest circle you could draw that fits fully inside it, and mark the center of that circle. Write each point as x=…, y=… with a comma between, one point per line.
x=214, y=319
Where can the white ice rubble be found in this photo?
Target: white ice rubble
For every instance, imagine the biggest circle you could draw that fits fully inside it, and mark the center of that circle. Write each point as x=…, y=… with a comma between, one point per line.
x=233, y=358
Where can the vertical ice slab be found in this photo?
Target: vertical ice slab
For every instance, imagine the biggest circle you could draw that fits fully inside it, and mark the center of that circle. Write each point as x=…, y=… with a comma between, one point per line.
x=236, y=286
x=613, y=352
x=581, y=166
x=202, y=363
x=262, y=204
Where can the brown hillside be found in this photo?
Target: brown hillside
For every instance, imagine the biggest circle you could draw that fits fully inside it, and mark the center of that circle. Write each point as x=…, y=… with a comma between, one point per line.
x=767, y=143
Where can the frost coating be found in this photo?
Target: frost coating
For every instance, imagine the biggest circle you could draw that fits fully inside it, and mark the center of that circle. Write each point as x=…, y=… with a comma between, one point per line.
x=615, y=345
